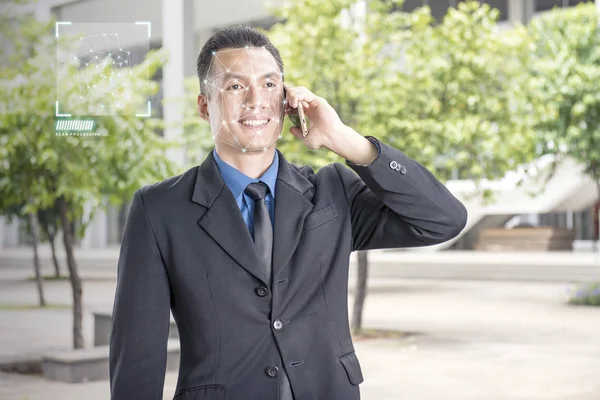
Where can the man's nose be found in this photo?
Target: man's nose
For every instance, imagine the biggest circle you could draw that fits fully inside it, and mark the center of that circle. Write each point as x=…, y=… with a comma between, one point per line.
x=253, y=98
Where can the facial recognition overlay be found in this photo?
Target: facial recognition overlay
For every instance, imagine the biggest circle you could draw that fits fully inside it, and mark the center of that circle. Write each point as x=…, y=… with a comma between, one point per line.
x=246, y=100
x=94, y=69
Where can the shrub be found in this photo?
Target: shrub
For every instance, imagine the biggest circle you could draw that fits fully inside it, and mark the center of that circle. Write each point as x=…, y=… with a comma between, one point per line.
x=586, y=294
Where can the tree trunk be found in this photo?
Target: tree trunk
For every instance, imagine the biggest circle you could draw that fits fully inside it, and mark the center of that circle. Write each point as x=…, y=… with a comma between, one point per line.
x=361, y=291
x=598, y=187
x=36, y=259
x=73, y=274
x=51, y=238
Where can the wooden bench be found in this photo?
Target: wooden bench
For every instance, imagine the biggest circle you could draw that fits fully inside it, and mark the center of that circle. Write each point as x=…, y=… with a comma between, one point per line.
x=103, y=327
x=91, y=364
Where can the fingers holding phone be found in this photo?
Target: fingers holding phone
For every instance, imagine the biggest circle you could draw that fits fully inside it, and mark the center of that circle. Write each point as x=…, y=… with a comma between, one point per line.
x=295, y=108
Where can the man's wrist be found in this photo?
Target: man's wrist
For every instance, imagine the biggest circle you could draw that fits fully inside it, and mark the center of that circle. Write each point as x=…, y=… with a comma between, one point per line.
x=352, y=146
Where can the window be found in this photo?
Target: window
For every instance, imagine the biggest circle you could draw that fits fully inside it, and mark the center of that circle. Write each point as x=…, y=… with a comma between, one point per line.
x=440, y=7
x=544, y=5
x=501, y=5
x=412, y=5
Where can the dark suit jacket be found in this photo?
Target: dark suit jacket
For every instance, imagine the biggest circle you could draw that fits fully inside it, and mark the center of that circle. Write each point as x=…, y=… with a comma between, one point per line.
x=186, y=248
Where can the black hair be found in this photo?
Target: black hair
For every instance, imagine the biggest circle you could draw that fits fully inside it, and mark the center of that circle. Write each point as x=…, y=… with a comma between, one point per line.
x=235, y=37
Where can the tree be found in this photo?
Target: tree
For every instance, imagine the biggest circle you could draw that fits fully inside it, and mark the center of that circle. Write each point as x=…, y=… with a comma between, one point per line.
x=337, y=50
x=41, y=170
x=49, y=224
x=35, y=236
x=566, y=80
x=197, y=135
x=448, y=95
x=459, y=103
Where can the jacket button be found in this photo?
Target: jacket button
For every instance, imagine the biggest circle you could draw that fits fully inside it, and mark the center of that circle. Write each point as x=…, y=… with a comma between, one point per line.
x=277, y=325
x=262, y=291
x=272, y=371
x=403, y=170
x=393, y=165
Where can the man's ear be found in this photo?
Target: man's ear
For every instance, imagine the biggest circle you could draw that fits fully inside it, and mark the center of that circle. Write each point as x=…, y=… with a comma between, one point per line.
x=203, y=107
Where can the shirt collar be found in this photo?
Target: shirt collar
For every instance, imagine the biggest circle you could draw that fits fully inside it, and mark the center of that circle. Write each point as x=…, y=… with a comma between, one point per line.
x=237, y=180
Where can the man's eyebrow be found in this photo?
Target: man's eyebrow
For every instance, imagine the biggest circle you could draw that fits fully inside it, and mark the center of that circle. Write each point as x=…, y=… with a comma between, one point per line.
x=230, y=75
x=270, y=74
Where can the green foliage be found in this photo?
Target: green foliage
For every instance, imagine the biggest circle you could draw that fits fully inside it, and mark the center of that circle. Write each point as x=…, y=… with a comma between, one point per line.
x=566, y=81
x=49, y=222
x=587, y=295
x=450, y=95
x=459, y=101
x=337, y=51
x=36, y=166
x=197, y=135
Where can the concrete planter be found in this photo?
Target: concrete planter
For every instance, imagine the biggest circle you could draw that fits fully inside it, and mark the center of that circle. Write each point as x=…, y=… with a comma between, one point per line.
x=544, y=238
x=88, y=365
x=103, y=327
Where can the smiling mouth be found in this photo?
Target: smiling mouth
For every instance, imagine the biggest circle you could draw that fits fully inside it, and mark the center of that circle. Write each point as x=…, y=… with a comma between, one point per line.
x=254, y=124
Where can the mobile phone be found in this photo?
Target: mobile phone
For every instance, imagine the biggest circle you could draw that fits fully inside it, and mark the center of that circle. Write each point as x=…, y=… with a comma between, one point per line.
x=302, y=116
x=299, y=119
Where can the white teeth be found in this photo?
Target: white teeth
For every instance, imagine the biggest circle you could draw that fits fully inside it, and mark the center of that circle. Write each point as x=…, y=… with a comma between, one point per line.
x=255, y=122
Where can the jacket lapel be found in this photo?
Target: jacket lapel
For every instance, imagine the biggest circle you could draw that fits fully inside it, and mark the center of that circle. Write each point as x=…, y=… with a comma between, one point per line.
x=223, y=220
x=293, y=202
x=225, y=224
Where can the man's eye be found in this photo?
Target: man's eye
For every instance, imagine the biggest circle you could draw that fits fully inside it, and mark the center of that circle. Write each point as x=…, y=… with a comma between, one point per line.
x=235, y=85
x=271, y=83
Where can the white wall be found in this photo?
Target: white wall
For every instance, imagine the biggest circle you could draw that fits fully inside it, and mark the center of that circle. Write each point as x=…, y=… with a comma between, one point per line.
x=215, y=14
x=115, y=11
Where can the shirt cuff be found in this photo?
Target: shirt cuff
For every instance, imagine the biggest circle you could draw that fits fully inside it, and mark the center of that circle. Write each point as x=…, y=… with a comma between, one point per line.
x=375, y=142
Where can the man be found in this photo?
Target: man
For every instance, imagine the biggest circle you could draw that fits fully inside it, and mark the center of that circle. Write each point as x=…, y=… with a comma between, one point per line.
x=251, y=253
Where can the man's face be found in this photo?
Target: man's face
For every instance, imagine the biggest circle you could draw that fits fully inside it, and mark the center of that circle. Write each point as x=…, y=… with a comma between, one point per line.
x=246, y=98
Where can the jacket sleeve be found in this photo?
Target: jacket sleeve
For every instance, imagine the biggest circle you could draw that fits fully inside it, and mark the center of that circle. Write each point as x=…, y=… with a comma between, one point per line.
x=396, y=202
x=141, y=312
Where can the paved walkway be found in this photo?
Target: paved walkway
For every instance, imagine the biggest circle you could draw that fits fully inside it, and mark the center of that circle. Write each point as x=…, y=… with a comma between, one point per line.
x=99, y=264
x=423, y=255
x=479, y=341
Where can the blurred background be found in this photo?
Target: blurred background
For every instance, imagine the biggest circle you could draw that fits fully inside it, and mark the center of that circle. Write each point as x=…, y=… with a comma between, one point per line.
x=500, y=99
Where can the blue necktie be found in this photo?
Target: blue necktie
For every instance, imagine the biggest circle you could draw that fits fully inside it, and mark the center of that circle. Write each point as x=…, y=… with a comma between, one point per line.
x=263, y=241
x=263, y=229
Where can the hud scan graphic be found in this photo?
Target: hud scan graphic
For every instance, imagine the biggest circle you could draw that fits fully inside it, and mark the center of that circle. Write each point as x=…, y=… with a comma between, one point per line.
x=100, y=72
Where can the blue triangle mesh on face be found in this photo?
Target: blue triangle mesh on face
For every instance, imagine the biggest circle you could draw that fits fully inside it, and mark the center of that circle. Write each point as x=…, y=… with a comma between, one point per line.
x=247, y=95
